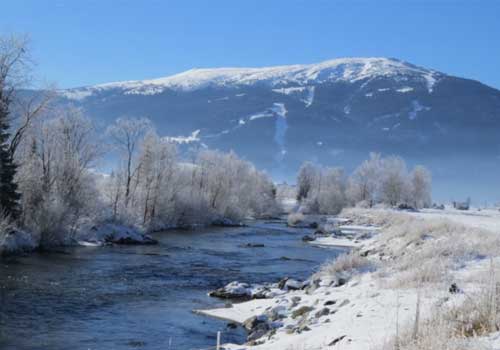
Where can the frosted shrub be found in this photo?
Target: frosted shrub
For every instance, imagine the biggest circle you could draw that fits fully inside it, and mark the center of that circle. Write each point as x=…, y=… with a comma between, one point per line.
x=344, y=266
x=295, y=218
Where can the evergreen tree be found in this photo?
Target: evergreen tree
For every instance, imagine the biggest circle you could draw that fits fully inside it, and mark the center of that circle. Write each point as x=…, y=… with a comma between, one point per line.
x=9, y=197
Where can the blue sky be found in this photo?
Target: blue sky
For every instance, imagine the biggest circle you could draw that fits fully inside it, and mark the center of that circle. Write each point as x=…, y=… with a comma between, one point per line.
x=85, y=42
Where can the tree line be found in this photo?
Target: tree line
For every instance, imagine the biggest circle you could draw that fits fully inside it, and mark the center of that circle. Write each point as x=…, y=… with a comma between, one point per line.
x=377, y=180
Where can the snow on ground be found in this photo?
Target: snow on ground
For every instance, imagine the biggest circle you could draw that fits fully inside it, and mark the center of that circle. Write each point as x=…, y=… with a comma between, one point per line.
x=370, y=309
x=348, y=237
x=488, y=219
x=492, y=342
x=239, y=313
x=337, y=242
x=363, y=316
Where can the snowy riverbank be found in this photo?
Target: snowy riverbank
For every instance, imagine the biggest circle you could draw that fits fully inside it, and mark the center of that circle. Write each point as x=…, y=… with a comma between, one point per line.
x=409, y=270
x=14, y=241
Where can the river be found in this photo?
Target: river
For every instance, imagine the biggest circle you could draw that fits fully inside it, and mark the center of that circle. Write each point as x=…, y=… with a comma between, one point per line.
x=142, y=297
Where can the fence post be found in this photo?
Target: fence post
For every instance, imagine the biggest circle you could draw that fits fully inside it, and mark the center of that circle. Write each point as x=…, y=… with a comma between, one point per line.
x=218, y=340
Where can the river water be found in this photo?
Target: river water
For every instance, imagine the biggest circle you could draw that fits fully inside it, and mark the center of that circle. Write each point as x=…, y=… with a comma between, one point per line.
x=142, y=297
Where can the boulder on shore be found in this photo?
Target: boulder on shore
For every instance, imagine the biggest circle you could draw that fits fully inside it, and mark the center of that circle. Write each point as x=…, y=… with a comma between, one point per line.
x=291, y=284
x=244, y=291
x=257, y=327
x=233, y=290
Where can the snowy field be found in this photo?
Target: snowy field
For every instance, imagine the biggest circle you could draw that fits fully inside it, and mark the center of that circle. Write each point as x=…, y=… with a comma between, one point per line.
x=488, y=219
x=413, y=281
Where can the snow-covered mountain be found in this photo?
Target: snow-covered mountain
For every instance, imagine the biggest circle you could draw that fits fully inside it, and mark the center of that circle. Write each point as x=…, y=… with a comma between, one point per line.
x=338, y=70
x=334, y=112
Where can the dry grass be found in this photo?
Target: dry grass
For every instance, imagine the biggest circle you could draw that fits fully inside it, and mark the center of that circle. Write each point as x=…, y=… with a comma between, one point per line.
x=454, y=327
x=417, y=251
x=344, y=266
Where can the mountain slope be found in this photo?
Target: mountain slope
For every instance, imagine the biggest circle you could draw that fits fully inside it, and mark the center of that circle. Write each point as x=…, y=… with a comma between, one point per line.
x=334, y=112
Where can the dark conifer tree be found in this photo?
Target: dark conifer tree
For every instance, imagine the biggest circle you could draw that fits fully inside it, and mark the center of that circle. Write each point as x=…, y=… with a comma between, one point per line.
x=9, y=197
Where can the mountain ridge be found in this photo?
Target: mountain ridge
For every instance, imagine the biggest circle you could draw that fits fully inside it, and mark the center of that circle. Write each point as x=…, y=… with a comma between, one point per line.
x=339, y=69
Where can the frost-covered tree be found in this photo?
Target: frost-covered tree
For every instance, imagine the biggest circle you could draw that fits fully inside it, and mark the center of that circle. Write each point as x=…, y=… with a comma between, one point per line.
x=363, y=185
x=420, y=191
x=331, y=196
x=112, y=190
x=307, y=178
x=127, y=135
x=230, y=187
x=55, y=176
x=394, y=185
x=166, y=191
x=377, y=180
x=158, y=162
x=321, y=190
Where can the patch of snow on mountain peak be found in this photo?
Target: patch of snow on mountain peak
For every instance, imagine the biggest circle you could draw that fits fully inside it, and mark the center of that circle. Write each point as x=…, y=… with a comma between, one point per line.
x=194, y=137
x=261, y=115
x=405, y=89
x=416, y=107
x=281, y=127
x=306, y=93
x=290, y=90
x=310, y=96
x=279, y=109
x=342, y=69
